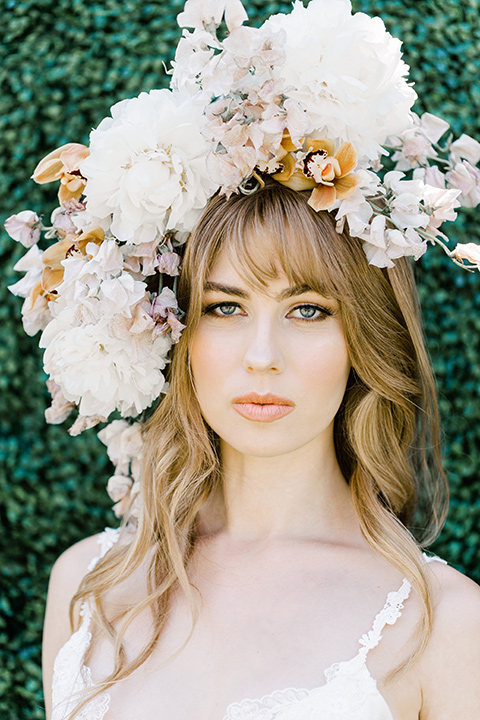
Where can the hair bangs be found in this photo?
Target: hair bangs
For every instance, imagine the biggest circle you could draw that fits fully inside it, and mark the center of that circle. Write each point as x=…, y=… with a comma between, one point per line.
x=275, y=230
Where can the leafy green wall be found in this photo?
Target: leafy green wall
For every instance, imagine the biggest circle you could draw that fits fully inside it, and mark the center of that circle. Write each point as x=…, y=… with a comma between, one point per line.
x=62, y=64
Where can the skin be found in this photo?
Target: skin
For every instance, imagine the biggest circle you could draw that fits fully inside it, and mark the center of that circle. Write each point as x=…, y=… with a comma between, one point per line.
x=280, y=562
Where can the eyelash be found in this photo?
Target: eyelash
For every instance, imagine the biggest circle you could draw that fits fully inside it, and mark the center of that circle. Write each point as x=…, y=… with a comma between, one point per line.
x=323, y=312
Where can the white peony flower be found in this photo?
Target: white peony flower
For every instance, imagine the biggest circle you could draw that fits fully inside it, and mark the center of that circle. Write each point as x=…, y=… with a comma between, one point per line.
x=348, y=71
x=103, y=367
x=146, y=171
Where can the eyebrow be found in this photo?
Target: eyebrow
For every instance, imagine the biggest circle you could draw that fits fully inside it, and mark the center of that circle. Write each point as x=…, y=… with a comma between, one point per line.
x=237, y=292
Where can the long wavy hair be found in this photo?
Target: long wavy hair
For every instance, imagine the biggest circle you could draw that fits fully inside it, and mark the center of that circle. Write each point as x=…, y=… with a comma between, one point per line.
x=386, y=432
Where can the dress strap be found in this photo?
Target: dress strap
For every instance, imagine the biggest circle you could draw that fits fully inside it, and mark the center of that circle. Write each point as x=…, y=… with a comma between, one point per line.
x=434, y=558
x=391, y=611
x=106, y=540
x=388, y=615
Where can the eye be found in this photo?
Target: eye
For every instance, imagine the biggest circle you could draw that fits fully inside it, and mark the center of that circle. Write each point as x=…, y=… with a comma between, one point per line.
x=222, y=309
x=310, y=312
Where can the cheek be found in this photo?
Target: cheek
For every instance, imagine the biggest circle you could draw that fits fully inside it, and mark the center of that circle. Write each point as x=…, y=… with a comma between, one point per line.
x=326, y=359
x=209, y=358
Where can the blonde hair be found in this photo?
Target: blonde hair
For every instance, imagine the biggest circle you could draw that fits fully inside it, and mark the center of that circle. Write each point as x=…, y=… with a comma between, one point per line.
x=386, y=432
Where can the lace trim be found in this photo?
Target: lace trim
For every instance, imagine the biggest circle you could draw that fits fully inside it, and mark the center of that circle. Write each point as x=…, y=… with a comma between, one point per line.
x=71, y=678
x=271, y=707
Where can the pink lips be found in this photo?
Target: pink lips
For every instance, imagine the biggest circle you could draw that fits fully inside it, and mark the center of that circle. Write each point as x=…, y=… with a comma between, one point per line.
x=262, y=408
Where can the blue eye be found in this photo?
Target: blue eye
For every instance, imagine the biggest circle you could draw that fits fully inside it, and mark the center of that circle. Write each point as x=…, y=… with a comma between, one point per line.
x=307, y=311
x=225, y=309
x=311, y=312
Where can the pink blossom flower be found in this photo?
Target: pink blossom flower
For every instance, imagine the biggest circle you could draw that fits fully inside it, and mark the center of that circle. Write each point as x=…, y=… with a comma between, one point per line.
x=469, y=252
x=205, y=13
x=60, y=408
x=466, y=148
x=141, y=258
x=175, y=325
x=434, y=177
x=168, y=263
x=118, y=487
x=162, y=304
x=84, y=422
x=466, y=178
x=433, y=127
x=24, y=227
x=441, y=205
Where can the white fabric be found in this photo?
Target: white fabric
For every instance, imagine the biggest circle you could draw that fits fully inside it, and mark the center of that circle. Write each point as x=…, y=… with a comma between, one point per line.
x=349, y=691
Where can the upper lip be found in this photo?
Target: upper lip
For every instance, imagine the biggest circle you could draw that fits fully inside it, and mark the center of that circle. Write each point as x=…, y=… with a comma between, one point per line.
x=267, y=399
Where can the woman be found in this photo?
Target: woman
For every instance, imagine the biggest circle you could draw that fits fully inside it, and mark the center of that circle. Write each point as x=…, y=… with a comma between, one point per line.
x=280, y=469
x=298, y=437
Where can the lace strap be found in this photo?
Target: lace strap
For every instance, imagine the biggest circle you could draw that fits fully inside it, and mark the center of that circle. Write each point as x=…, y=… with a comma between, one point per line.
x=391, y=611
x=388, y=615
x=106, y=540
x=434, y=558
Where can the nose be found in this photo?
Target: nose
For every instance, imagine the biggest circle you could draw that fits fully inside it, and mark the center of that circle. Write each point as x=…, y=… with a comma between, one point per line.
x=263, y=351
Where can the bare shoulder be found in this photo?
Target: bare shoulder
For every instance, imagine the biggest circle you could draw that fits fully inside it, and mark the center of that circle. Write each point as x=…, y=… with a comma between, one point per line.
x=72, y=565
x=450, y=667
x=65, y=578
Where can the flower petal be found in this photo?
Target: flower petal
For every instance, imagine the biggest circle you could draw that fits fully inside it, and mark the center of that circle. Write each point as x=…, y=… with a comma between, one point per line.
x=322, y=197
x=51, y=166
x=313, y=145
x=287, y=143
x=288, y=163
x=298, y=181
x=346, y=186
x=51, y=278
x=347, y=158
x=53, y=255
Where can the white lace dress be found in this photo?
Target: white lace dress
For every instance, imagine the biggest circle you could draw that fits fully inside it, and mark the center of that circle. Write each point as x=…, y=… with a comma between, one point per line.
x=348, y=693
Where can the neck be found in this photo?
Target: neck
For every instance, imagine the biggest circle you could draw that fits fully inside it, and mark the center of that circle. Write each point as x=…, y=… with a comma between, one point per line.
x=299, y=495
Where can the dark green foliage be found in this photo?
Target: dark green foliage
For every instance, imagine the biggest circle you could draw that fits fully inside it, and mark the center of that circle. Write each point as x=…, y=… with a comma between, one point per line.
x=62, y=64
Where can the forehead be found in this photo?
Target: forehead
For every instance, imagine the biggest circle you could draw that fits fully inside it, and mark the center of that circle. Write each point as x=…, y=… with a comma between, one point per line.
x=228, y=267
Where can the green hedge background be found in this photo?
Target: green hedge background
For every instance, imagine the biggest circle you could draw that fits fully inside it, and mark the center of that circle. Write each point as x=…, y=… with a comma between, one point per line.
x=62, y=64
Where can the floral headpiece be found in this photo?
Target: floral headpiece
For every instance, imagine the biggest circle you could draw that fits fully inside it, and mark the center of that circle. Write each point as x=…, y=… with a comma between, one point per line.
x=316, y=99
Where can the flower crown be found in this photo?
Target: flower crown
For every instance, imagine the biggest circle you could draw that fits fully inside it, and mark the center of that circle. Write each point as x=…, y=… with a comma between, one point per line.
x=315, y=98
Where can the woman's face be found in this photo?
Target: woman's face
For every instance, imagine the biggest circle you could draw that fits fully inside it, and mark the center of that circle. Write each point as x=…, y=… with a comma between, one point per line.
x=270, y=366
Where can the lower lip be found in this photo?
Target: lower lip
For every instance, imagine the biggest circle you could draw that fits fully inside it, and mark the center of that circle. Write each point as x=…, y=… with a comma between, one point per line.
x=262, y=413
